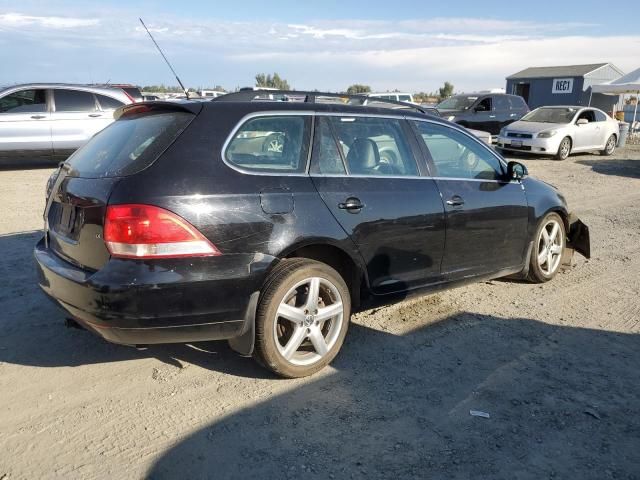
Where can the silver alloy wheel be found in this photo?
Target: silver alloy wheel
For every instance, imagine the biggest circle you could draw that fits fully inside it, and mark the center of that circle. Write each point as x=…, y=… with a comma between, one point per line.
x=565, y=148
x=550, y=244
x=308, y=321
x=611, y=145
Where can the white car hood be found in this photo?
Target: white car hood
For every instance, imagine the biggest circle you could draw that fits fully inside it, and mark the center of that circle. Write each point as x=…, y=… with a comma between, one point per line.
x=533, y=127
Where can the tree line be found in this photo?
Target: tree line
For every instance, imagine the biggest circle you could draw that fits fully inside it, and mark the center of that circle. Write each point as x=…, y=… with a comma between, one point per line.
x=274, y=80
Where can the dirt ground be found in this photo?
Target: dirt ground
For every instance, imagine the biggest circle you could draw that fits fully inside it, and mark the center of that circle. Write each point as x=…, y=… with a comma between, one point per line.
x=555, y=366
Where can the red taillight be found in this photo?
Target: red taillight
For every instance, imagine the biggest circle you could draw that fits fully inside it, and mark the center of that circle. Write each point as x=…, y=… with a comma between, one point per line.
x=145, y=231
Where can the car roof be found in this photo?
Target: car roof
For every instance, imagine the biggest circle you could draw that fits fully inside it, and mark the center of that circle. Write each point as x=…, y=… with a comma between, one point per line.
x=91, y=88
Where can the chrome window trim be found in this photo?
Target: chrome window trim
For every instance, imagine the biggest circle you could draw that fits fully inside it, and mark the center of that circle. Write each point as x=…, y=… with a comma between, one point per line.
x=307, y=173
x=267, y=113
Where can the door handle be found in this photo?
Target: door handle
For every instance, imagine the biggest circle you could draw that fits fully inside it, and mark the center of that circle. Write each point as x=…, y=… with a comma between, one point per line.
x=38, y=117
x=351, y=205
x=455, y=201
x=94, y=115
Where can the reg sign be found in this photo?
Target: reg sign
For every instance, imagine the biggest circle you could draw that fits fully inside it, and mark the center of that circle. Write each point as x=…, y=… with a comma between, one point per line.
x=562, y=85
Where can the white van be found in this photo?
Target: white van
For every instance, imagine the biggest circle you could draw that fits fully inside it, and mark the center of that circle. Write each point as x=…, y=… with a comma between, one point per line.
x=397, y=96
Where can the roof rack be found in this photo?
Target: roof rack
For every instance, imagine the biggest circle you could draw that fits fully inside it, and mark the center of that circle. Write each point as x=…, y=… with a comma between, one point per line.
x=316, y=97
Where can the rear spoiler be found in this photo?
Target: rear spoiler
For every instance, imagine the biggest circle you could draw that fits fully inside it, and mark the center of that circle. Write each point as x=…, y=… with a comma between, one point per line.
x=156, y=107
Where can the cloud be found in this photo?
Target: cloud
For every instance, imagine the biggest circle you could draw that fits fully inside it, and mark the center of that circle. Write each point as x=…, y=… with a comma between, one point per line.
x=8, y=20
x=473, y=53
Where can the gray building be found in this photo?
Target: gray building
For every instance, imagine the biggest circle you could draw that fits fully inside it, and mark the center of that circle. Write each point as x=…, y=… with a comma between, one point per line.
x=568, y=85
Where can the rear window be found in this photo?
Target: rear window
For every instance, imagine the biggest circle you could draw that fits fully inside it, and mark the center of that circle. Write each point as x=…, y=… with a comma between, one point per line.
x=128, y=145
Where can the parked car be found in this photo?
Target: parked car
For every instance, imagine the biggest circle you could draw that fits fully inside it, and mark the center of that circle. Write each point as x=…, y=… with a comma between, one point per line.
x=560, y=131
x=43, y=123
x=182, y=222
x=487, y=112
x=397, y=96
x=150, y=98
x=211, y=93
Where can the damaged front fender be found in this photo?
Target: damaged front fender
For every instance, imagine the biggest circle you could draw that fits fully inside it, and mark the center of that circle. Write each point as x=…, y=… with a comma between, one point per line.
x=578, y=237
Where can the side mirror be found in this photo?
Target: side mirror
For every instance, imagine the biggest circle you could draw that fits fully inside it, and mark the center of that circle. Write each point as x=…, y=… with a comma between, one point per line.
x=516, y=171
x=582, y=121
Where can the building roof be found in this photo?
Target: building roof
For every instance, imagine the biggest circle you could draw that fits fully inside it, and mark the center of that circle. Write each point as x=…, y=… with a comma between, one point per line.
x=564, y=71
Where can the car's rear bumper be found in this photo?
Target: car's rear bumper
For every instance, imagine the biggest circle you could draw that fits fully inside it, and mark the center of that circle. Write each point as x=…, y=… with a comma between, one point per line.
x=167, y=301
x=539, y=146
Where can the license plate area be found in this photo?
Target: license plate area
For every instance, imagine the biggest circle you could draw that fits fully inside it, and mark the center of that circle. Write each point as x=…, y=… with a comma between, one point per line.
x=66, y=220
x=516, y=143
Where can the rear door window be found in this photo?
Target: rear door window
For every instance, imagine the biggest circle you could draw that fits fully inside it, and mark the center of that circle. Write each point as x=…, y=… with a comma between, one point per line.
x=275, y=144
x=128, y=145
x=24, y=101
x=326, y=156
x=501, y=103
x=374, y=146
x=74, y=101
x=517, y=103
x=108, y=103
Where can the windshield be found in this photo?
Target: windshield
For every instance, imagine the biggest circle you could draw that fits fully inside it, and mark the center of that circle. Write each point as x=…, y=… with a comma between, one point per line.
x=550, y=115
x=128, y=145
x=458, y=102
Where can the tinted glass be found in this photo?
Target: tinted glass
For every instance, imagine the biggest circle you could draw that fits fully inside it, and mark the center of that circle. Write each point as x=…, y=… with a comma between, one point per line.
x=550, y=115
x=326, y=156
x=374, y=146
x=404, y=98
x=517, y=103
x=108, y=103
x=271, y=144
x=74, y=101
x=455, y=155
x=502, y=103
x=24, y=101
x=128, y=145
x=486, y=103
x=588, y=115
x=457, y=102
x=600, y=116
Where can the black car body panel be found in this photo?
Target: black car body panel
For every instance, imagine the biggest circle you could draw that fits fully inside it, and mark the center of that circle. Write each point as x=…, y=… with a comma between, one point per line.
x=403, y=240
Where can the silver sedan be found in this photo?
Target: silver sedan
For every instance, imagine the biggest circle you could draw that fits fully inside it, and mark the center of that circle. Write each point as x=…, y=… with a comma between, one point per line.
x=560, y=131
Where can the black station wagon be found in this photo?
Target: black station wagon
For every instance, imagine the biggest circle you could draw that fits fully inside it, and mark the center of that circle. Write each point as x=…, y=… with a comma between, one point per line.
x=268, y=223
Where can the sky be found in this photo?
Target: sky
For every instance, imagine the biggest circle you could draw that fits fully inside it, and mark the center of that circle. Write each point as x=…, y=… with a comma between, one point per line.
x=329, y=45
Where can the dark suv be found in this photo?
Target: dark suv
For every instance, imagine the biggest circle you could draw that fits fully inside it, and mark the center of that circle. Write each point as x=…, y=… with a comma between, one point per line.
x=269, y=223
x=488, y=112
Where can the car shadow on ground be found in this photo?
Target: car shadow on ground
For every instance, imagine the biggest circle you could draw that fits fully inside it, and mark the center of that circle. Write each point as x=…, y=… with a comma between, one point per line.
x=34, y=333
x=563, y=403
x=621, y=168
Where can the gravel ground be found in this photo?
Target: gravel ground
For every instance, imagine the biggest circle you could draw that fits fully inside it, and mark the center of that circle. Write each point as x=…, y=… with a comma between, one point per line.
x=555, y=366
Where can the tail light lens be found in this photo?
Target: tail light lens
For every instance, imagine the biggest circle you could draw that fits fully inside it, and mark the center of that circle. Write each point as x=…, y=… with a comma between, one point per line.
x=146, y=231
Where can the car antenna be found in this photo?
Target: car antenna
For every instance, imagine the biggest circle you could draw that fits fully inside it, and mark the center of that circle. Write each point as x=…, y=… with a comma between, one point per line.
x=186, y=92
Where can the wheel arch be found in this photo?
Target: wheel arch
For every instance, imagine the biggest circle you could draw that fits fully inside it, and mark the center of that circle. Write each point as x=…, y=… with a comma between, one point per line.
x=329, y=252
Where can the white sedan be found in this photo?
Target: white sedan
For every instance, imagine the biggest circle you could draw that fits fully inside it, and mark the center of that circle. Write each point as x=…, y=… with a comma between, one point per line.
x=560, y=131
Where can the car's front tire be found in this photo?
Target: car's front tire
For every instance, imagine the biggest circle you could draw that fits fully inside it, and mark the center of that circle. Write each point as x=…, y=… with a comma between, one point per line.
x=302, y=318
x=548, y=246
x=564, y=149
x=610, y=146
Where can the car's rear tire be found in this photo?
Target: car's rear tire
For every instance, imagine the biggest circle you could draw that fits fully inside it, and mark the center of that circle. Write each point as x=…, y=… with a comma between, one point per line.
x=302, y=318
x=548, y=246
x=610, y=146
x=564, y=149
